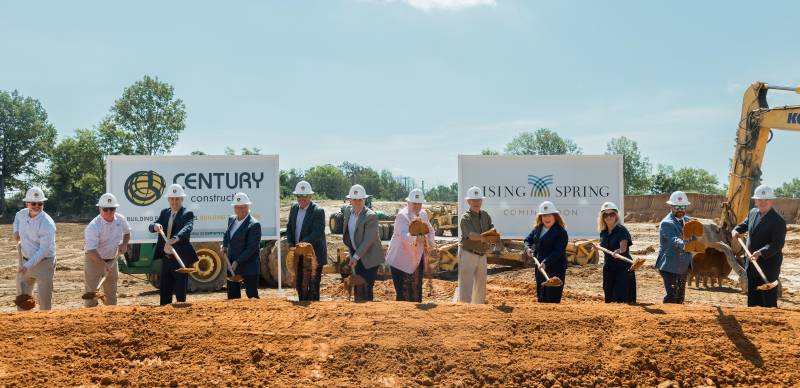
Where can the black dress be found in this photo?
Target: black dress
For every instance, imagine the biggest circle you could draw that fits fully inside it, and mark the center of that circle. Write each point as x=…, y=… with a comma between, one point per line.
x=619, y=283
x=551, y=250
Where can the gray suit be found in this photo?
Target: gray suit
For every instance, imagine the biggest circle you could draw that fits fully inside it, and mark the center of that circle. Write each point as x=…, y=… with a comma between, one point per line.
x=367, y=247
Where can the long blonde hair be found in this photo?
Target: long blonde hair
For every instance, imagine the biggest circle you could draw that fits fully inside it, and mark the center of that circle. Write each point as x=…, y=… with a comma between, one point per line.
x=559, y=220
x=601, y=223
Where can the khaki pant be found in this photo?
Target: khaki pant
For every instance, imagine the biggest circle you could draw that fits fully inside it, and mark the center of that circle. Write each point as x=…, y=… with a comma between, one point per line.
x=93, y=272
x=41, y=276
x=471, y=277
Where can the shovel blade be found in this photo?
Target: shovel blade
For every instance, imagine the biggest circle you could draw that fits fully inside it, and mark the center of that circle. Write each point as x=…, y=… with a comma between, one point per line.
x=553, y=282
x=637, y=263
x=88, y=295
x=186, y=270
x=767, y=286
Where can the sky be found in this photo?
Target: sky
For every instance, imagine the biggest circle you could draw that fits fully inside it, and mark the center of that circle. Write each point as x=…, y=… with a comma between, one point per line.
x=408, y=85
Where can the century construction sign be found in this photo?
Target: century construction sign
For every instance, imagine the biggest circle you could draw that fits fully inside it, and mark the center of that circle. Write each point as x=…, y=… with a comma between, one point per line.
x=514, y=186
x=210, y=183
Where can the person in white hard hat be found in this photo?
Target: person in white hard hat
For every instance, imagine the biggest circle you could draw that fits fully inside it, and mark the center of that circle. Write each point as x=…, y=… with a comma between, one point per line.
x=177, y=223
x=106, y=238
x=619, y=282
x=406, y=255
x=548, y=243
x=766, y=234
x=472, y=252
x=240, y=244
x=362, y=239
x=673, y=261
x=35, y=232
x=307, y=224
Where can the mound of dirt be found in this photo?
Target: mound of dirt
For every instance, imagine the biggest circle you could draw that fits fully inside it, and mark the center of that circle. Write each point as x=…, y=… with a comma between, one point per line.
x=280, y=343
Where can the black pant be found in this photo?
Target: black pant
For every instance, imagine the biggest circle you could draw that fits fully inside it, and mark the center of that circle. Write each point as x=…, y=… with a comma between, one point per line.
x=364, y=294
x=549, y=294
x=408, y=286
x=172, y=282
x=313, y=292
x=619, y=285
x=675, y=286
x=755, y=297
x=250, y=288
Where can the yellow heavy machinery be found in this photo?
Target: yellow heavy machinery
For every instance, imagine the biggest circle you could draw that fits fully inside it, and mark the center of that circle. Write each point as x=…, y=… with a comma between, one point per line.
x=752, y=135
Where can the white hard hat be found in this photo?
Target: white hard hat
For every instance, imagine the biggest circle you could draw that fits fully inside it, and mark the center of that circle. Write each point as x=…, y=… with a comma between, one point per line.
x=547, y=207
x=175, y=191
x=416, y=196
x=678, y=198
x=241, y=199
x=107, y=200
x=357, y=192
x=764, y=192
x=474, y=192
x=302, y=188
x=609, y=206
x=34, y=194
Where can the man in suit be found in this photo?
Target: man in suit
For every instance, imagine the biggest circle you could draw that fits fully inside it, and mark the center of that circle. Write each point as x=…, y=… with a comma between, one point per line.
x=673, y=262
x=766, y=234
x=307, y=224
x=362, y=239
x=241, y=244
x=177, y=223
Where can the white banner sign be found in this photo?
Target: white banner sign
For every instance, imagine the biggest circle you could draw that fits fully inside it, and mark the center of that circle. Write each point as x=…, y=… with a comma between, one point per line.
x=514, y=186
x=210, y=182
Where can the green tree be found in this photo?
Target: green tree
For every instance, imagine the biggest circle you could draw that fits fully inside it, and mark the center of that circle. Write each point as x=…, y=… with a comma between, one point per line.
x=489, y=151
x=288, y=180
x=245, y=151
x=688, y=179
x=328, y=181
x=789, y=189
x=393, y=188
x=26, y=139
x=146, y=120
x=365, y=176
x=198, y=153
x=636, y=168
x=541, y=142
x=443, y=193
x=77, y=174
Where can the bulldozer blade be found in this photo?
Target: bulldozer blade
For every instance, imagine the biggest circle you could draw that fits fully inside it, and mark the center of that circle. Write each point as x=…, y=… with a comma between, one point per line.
x=637, y=263
x=553, y=282
x=186, y=270
x=767, y=286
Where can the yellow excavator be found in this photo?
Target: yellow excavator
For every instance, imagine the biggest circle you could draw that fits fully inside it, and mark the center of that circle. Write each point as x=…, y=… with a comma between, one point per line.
x=754, y=132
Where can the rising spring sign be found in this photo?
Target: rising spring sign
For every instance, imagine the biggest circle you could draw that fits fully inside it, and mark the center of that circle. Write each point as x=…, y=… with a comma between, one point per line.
x=514, y=186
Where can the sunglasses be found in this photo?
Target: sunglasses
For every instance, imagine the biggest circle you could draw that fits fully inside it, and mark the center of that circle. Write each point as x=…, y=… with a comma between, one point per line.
x=36, y=204
x=609, y=215
x=680, y=207
x=108, y=209
x=303, y=196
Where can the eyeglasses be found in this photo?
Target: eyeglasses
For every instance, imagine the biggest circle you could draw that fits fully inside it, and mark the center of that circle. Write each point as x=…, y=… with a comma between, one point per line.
x=108, y=209
x=36, y=204
x=609, y=215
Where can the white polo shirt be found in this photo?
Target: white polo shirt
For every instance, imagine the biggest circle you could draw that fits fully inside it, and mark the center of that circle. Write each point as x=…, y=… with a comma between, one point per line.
x=38, y=236
x=106, y=236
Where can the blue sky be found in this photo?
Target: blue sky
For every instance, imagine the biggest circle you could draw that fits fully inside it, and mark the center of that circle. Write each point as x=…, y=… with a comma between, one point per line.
x=410, y=84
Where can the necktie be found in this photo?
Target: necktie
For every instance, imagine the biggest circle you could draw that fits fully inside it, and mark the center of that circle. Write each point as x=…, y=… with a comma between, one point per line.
x=169, y=225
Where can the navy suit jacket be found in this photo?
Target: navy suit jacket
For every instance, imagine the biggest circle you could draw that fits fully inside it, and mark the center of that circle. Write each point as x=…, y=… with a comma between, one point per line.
x=243, y=246
x=312, y=231
x=182, y=229
x=768, y=237
x=550, y=249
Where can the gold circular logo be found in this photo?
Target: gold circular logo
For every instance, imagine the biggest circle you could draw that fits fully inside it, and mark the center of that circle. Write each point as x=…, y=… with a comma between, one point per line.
x=143, y=188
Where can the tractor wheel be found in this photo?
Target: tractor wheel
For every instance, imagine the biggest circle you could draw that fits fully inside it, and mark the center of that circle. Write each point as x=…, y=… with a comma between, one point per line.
x=335, y=223
x=154, y=279
x=287, y=271
x=211, y=268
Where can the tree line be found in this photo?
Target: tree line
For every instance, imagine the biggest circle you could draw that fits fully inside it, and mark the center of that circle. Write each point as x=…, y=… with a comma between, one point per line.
x=148, y=119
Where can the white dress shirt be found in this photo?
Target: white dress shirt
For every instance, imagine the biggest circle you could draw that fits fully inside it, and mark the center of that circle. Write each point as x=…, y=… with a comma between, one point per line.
x=403, y=253
x=301, y=216
x=351, y=227
x=106, y=236
x=38, y=236
x=236, y=224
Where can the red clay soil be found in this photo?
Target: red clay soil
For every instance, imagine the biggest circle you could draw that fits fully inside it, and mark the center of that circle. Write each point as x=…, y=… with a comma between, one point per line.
x=280, y=343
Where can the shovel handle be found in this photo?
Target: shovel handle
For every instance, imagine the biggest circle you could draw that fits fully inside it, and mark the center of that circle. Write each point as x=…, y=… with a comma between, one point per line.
x=614, y=254
x=539, y=267
x=755, y=263
x=174, y=252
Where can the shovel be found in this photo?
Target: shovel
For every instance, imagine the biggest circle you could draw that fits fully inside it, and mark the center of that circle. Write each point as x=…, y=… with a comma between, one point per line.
x=183, y=268
x=96, y=294
x=635, y=263
x=767, y=285
x=234, y=278
x=23, y=301
x=548, y=281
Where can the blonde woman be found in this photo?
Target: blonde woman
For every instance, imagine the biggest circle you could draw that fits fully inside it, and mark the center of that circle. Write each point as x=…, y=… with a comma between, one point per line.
x=619, y=282
x=548, y=243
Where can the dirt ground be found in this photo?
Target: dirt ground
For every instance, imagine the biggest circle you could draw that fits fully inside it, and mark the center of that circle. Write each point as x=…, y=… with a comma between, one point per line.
x=511, y=340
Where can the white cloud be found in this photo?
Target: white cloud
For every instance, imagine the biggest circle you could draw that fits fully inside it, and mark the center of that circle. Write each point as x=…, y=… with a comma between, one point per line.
x=431, y=5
